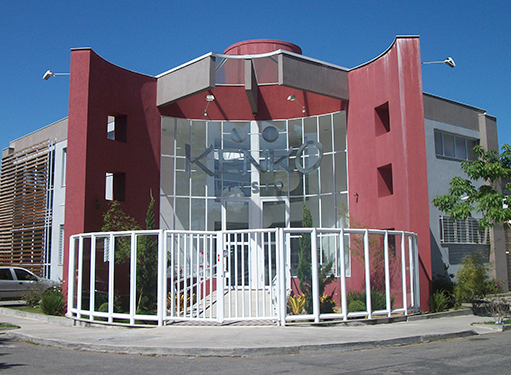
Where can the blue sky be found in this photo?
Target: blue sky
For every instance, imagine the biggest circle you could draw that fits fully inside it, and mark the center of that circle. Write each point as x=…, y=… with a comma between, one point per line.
x=153, y=36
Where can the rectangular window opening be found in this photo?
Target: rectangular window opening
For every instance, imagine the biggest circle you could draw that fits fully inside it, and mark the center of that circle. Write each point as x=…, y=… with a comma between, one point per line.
x=117, y=128
x=385, y=184
x=64, y=162
x=382, y=119
x=115, y=186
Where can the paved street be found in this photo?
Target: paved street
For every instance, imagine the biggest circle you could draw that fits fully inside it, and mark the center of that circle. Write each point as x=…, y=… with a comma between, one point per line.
x=488, y=354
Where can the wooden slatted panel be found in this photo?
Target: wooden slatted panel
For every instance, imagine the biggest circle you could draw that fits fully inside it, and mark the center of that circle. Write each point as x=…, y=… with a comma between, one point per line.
x=23, y=207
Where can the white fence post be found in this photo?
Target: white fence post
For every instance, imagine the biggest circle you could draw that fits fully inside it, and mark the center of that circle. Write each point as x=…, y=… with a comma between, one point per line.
x=133, y=277
x=403, y=272
x=161, y=277
x=220, y=271
x=416, y=273
x=70, y=274
x=79, y=278
x=344, y=300
x=367, y=269
x=388, y=301
x=92, y=286
x=111, y=278
x=315, y=276
x=281, y=277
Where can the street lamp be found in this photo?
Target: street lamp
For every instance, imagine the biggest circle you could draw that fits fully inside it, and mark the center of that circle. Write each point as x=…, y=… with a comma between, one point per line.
x=50, y=74
x=448, y=61
x=292, y=98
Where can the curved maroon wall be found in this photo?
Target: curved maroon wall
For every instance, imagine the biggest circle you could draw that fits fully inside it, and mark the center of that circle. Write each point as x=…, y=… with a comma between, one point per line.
x=393, y=78
x=99, y=89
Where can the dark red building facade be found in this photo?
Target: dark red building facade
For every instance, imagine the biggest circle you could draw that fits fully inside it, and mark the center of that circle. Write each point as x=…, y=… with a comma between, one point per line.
x=243, y=139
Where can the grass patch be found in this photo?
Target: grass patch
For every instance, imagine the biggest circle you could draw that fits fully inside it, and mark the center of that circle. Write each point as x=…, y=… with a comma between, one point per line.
x=7, y=325
x=34, y=310
x=507, y=321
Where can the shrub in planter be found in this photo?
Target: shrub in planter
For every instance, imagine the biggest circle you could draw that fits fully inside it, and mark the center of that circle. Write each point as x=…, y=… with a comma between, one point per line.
x=296, y=304
x=32, y=297
x=378, y=299
x=356, y=305
x=472, y=280
x=52, y=302
x=438, y=301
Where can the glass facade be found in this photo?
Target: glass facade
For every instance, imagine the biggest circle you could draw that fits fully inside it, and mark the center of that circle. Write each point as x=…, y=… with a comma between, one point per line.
x=224, y=175
x=210, y=165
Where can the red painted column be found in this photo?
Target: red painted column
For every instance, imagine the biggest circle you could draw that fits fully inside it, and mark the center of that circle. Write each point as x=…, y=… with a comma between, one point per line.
x=396, y=153
x=99, y=89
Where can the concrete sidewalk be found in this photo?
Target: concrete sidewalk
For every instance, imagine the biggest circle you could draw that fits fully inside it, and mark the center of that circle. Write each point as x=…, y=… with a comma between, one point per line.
x=240, y=340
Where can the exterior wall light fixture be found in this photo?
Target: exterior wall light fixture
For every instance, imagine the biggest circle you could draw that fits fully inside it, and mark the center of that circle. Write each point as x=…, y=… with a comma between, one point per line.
x=448, y=61
x=292, y=98
x=50, y=74
x=209, y=99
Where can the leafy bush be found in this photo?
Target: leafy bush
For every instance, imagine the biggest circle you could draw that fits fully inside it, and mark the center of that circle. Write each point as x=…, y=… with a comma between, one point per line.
x=304, y=270
x=494, y=286
x=472, y=280
x=378, y=299
x=326, y=303
x=356, y=305
x=443, y=282
x=117, y=305
x=52, y=302
x=32, y=297
x=439, y=301
x=296, y=304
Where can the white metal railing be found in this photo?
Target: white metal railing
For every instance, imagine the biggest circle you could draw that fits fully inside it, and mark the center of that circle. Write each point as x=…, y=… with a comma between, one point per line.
x=226, y=276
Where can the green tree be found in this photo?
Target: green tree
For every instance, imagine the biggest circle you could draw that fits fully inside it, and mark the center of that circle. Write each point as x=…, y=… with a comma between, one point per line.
x=147, y=263
x=115, y=220
x=304, y=269
x=472, y=279
x=488, y=200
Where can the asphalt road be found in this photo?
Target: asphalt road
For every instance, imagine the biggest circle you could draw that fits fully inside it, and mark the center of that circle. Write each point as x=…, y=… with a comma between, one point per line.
x=488, y=354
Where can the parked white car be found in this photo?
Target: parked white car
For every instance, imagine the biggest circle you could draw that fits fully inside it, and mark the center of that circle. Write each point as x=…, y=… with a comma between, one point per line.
x=16, y=282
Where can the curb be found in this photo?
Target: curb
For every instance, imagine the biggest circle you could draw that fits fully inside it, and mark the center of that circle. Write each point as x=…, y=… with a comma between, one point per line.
x=240, y=352
x=45, y=318
x=438, y=315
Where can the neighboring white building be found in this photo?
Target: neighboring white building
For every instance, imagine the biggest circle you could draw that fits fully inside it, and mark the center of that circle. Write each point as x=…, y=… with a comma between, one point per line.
x=32, y=201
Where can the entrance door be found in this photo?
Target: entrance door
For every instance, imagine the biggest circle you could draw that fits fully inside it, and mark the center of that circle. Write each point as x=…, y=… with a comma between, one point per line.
x=250, y=258
x=249, y=273
x=274, y=214
x=235, y=217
